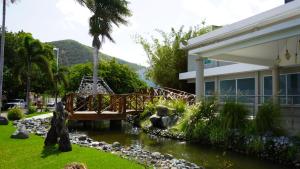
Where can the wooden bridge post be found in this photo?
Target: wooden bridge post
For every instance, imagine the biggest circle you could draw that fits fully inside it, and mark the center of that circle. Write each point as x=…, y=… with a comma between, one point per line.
x=100, y=97
x=123, y=104
x=136, y=102
x=90, y=103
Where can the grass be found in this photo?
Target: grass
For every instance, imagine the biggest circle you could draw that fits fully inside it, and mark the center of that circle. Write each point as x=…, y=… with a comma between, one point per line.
x=35, y=114
x=30, y=154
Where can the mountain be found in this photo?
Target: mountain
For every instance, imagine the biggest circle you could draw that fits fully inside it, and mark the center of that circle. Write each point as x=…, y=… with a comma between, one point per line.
x=72, y=52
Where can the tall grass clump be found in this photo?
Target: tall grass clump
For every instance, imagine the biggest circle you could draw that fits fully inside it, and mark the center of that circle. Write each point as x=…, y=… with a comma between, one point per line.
x=267, y=118
x=15, y=113
x=234, y=115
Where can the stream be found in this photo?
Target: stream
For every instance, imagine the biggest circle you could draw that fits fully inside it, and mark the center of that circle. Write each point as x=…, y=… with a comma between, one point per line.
x=203, y=155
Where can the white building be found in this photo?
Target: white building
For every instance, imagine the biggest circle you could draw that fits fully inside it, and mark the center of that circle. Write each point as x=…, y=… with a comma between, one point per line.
x=251, y=61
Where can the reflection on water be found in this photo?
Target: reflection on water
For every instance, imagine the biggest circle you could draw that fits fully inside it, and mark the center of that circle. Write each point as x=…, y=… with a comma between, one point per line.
x=209, y=157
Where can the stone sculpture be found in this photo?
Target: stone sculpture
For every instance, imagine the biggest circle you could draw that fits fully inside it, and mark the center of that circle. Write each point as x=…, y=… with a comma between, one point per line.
x=58, y=132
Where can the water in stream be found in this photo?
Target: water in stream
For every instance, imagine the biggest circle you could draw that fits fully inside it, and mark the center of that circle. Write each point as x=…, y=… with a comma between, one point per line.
x=209, y=157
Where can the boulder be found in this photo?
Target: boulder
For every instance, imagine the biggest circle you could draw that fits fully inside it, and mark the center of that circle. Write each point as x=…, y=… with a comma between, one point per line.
x=166, y=121
x=3, y=121
x=20, y=133
x=162, y=110
x=156, y=121
x=116, y=145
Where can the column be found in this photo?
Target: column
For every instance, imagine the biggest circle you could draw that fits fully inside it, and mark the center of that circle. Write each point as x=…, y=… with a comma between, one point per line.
x=275, y=84
x=199, y=78
x=257, y=91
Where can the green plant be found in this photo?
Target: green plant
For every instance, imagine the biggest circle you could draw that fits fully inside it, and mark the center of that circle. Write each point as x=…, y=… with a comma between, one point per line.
x=255, y=145
x=32, y=109
x=199, y=130
x=15, y=113
x=47, y=109
x=267, y=118
x=179, y=106
x=218, y=135
x=149, y=110
x=234, y=115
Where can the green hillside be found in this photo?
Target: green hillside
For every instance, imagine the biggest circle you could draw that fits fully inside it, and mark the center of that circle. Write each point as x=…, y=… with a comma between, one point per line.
x=72, y=52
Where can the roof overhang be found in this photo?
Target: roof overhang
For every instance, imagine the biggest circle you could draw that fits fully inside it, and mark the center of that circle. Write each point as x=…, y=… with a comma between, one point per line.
x=224, y=70
x=256, y=40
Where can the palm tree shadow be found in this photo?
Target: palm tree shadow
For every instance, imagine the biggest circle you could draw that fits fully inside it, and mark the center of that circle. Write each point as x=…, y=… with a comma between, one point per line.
x=49, y=150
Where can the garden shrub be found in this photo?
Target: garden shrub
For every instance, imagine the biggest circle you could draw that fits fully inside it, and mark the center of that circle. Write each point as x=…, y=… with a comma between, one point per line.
x=148, y=111
x=15, y=113
x=255, y=145
x=218, y=135
x=267, y=118
x=234, y=115
x=200, y=131
x=31, y=109
x=179, y=106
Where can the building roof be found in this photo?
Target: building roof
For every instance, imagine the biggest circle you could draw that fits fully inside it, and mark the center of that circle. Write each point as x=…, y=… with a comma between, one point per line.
x=279, y=14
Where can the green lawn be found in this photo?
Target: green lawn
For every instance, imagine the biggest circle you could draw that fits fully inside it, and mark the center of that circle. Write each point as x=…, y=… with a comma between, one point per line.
x=29, y=154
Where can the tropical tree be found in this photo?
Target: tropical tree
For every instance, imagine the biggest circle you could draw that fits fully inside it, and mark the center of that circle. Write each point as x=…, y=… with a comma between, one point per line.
x=2, y=48
x=60, y=78
x=105, y=15
x=166, y=57
x=32, y=54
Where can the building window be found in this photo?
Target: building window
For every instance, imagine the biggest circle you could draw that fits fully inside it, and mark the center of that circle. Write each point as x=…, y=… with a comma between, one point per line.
x=289, y=88
x=238, y=90
x=209, y=88
x=293, y=88
x=246, y=90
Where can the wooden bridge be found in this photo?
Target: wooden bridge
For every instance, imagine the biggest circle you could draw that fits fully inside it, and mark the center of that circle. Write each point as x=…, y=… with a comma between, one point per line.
x=117, y=106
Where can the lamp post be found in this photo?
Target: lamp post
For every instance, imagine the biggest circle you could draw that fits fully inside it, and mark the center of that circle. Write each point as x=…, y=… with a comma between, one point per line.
x=56, y=89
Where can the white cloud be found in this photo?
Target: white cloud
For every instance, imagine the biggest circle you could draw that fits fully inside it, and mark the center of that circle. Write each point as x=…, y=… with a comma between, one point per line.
x=73, y=12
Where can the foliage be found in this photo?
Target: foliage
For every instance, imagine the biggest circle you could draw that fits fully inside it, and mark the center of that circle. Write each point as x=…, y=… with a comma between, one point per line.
x=30, y=153
x=15, y=113
x=255, y=145
x=120, y=77
x=32, y=55
x=72, y=52
x=31, y=109
x=148, y=111
x=166, y=57
x=267, y=118
x=179, y=106
x=234, y=115
x=218, y=135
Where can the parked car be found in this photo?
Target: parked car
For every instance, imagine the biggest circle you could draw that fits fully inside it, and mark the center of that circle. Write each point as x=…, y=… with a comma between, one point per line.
x=51, y=104
x=15, y=103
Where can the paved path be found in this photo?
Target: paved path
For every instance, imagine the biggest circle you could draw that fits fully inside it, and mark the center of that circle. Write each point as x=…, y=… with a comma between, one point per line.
x=42, y=116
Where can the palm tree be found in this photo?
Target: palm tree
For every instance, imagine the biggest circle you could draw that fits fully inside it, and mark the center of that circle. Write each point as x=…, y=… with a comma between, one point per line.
x=32, y=53
x=2, y=49
x=59, y=78
x=105, y=15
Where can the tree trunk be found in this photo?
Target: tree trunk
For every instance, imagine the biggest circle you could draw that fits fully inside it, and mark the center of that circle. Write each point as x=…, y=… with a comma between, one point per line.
x=95, y=70
x=2, y=52
x=28, y=84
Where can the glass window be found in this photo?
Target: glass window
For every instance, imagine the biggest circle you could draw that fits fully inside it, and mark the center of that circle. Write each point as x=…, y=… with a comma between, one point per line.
x=209, y=88
x=246, y=90
x=293, y=88
x=207, y=61
x=268, y=86
x=289, y=88
x=228, y=90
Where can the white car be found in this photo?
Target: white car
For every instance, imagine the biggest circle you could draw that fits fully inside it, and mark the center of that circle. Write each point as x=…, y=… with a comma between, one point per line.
x=15, y=103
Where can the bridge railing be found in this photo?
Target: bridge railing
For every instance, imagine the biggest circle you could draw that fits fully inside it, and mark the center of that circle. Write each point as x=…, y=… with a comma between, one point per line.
x=134, y=102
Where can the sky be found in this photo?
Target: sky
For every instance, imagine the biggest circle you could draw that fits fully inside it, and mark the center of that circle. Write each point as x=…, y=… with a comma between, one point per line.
x=51, y=20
